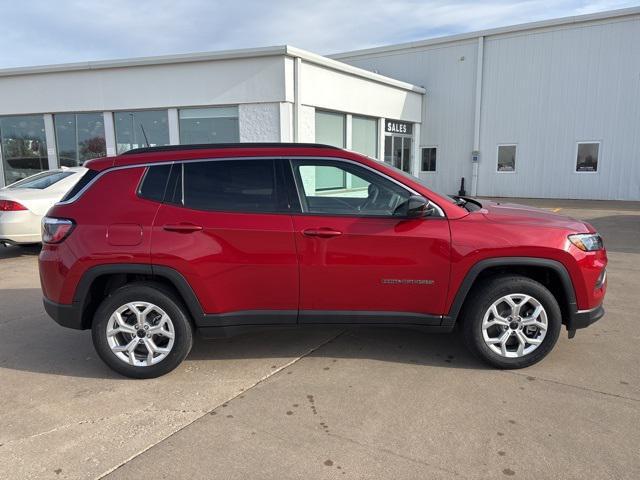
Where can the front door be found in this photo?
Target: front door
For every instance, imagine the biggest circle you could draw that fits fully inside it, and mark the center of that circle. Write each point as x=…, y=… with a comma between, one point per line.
x=358, y=259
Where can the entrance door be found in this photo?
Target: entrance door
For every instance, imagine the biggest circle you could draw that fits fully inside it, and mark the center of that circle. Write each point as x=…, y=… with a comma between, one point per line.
x=397, y=151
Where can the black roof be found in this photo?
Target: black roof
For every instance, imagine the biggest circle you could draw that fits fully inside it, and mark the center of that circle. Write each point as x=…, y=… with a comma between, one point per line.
x=215, y=146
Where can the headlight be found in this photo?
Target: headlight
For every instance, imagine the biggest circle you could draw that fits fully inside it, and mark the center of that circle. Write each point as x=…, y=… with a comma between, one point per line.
x=587, y=242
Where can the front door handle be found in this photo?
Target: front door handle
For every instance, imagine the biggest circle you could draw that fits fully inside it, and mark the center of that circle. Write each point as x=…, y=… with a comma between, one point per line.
x=182, y=228
x=322, y=232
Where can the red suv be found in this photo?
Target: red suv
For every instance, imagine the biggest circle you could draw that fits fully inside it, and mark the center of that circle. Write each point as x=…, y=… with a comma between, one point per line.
x=158, y=242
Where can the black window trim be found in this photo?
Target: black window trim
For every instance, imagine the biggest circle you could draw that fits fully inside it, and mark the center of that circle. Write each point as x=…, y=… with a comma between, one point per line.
x=302, y=198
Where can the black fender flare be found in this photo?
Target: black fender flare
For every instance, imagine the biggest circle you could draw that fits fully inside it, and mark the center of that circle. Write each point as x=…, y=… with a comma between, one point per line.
x=170, y=274
x=482, y=265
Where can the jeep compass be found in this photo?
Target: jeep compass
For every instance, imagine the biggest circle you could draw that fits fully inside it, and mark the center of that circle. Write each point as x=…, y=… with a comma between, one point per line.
x=157, y=243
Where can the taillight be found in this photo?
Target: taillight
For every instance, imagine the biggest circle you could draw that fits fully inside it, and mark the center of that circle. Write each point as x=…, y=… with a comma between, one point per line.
x=55, y=230
x=11, y=206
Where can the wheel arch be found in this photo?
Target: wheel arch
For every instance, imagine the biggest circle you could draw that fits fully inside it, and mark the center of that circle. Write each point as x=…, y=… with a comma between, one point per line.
x=551, y=273
x=97, y=282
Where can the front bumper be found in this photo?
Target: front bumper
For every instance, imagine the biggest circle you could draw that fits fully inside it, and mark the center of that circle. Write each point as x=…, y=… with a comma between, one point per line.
x=69, y=316
x=584, y=318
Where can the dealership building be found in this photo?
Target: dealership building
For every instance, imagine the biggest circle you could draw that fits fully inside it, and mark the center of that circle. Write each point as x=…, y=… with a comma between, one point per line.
x=543, y=110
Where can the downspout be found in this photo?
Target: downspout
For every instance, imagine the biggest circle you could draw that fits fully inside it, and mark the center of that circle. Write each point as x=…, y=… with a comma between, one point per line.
x=476, y=124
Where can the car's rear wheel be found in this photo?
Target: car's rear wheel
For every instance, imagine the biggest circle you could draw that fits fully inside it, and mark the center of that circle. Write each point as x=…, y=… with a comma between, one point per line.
x=142, y=330
x=511, y=321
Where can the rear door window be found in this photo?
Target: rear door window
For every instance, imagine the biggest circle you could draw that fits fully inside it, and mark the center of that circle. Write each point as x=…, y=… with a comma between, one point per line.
x=234, y=186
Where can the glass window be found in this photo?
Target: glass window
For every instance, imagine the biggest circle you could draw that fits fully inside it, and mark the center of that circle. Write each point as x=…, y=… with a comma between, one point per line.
x=43, y=180
x=85, y=179
x=388, y=149
x=364, y=135
x=231, y=185
x=79, y=137
x=587, y=160
x=209, y=125
x=141, y=128
x=330, y=128
x=429, y=159
x=24, y=146
x=363, y=193
x=506, y=158
x=155, y=182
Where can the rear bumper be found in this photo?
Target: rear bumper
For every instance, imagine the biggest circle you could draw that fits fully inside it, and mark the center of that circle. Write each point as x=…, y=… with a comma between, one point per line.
x=20, y=227
x=584, y=318
x=69, y=316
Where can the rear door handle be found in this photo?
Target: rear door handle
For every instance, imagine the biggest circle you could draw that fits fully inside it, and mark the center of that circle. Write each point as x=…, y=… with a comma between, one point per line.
x=322, y=232
x=183, y=228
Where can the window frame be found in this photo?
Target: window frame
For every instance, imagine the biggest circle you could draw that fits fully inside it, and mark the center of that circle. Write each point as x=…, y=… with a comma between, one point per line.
x=301, y=197
x=429, y=172
x=515, y=158
x=575, y=157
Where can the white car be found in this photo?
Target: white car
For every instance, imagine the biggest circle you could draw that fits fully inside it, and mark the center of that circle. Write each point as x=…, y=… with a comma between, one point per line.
x=25, y=202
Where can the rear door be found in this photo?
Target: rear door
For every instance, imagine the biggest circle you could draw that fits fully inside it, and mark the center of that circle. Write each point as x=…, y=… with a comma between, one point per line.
x=225, y=226
x=360, y=261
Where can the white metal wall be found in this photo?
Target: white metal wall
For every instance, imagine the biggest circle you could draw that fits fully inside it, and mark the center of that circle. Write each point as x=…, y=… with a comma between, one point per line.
x=547, y=90
x=543, y=89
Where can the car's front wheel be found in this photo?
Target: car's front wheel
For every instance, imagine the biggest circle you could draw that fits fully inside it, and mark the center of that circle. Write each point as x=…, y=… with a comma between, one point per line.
x=141, y=330
x=511, y=321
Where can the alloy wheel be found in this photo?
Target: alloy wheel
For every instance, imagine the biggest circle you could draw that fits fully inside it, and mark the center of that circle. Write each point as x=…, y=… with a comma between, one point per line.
x=514, y=325
x=140, y=334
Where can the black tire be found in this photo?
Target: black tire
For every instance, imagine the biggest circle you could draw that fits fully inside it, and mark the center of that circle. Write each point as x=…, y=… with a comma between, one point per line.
x=157, y=295
x=481, y=299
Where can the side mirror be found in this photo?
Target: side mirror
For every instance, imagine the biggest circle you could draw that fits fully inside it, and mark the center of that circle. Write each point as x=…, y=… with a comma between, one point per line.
x=416, y=206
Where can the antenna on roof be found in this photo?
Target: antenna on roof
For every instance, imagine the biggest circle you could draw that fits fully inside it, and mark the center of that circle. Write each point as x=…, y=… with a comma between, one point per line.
x=144, y=134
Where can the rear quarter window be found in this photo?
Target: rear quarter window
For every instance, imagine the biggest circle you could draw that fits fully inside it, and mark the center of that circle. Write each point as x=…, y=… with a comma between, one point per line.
x=154, y=183
x=83, y=182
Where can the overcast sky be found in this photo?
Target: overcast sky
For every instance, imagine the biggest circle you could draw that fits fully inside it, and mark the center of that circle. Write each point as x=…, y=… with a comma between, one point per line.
x=37, y=32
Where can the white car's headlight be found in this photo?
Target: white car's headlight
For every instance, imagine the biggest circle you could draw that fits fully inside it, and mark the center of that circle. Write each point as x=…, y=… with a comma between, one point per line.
x=587, y=242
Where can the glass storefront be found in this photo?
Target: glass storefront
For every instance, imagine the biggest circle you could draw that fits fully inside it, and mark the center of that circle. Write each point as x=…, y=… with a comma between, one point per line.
x=330, y=128
x=24, y=146
x=79, y=137
x=364, y=136
x=209, y=125
x=141, y=128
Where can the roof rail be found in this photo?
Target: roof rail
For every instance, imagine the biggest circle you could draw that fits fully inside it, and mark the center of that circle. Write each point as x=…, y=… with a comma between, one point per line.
x=215, y=146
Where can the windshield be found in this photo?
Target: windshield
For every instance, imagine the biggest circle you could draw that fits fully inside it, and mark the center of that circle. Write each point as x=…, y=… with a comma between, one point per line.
x=40, y=181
